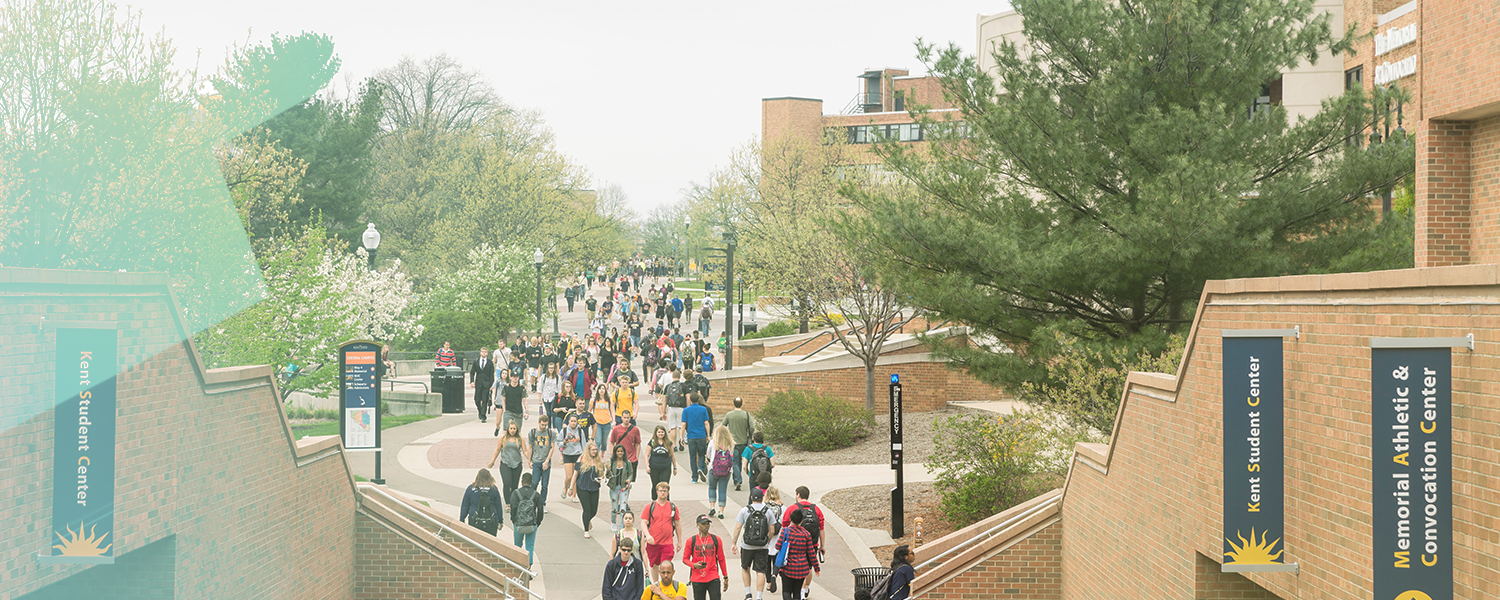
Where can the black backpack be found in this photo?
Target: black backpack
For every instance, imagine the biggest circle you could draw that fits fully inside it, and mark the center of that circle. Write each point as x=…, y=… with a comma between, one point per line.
x=484, y=516
x=702, y=385
x=760, y=462
x=526, y=508
x=677, y=395
x=758, y=527
x=810, y=521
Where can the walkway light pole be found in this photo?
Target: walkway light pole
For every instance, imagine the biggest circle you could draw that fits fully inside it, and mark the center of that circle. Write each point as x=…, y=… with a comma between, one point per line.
x=537, y=256
x=371, y=240
x=731, y=240
x=372, y=243
x=687, y=257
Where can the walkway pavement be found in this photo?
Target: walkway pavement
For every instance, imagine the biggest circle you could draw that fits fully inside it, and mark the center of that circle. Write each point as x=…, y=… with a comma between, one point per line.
x=436, y=459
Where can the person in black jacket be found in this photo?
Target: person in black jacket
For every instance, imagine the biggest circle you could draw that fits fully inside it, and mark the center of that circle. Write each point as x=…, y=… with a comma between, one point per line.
x=902, y=572
x=624, y=575
x=482, y=506
x=482, y=378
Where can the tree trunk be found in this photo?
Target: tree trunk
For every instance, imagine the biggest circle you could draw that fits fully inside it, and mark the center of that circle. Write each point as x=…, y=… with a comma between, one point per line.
x=870, y=383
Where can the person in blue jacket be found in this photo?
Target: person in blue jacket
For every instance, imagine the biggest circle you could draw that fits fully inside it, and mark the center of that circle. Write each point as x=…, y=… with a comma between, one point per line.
x=902, y=572
x=482, y=507
x=624, y=574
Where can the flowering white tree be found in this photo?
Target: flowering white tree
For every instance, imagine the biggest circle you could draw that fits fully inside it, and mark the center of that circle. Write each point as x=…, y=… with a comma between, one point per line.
x=316, y=298
x=498, y=283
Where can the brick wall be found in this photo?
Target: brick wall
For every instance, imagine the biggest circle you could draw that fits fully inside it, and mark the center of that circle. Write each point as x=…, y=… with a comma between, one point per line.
x=925, y=385
x=1212, y=583
x=148, y=573
x=209, y=464
x=1161, y=500
x=1484, y=215
x=388, y=565
x=1029, y=570
x=1444, y=175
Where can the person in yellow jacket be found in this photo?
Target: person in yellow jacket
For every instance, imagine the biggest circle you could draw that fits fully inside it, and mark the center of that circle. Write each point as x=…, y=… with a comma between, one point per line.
x=665, y=588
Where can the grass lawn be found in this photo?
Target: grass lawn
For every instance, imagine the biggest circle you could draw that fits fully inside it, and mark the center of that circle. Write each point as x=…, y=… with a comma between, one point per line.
x=332, y=427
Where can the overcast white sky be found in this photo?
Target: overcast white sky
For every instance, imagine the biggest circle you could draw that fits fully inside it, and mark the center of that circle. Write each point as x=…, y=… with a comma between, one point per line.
x=651, y=95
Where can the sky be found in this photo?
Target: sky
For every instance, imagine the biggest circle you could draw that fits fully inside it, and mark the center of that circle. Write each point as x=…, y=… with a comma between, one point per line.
x=650, y=95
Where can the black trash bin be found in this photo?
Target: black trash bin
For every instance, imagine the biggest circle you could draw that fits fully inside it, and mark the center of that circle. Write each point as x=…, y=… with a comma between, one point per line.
x=865, y=578
x=449, y=381
x=746, y=328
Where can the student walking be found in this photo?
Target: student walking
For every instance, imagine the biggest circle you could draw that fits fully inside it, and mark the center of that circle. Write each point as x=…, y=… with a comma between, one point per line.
x=665, y=588
x=510, y=450
x=695, y=423
x=704, y=556
x=624, y=575
x=720, y=461
x=603, y=416
x=801, y=560
x=626, y=435
x=617, y=477
x=629, y=532
x=525, y=516
x=812, y=517
x=661, y=458
x=482, y=506
x=571, y=441
x=541, y=439
x=514, y=397
x=740, y=425
x=758, y=522
x=759, y=458
x=662, y=527
x=586, y=487
x=482, y=378
x=902, y=573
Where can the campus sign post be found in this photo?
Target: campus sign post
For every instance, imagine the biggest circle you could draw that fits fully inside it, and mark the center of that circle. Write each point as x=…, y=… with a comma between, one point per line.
x=359, y=399
x=898, y=519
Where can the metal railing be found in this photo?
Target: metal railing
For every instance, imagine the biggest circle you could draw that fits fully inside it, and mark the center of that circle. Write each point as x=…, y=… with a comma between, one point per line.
x=425, y=389
x=804, y=343
x=991, y=532
x=855, y=331
x=509, y=581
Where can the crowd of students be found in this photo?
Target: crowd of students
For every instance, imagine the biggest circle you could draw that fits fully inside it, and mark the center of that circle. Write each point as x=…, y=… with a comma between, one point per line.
x=579, y=399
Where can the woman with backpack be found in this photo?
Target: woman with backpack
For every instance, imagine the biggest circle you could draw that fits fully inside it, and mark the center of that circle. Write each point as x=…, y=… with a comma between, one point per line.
x=617, y=477
x=773, y=500
x=720, y=463
x=902, y=574
x=586, y=487
x=481, y=506
x=661, y=459
x=571, y=441
x=629, y=532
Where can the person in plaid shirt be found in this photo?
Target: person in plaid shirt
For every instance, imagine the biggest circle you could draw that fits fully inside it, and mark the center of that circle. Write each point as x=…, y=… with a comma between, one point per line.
x=801, y=558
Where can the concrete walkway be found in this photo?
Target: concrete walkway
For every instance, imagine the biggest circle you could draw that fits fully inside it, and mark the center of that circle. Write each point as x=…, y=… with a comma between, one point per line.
x=435, y=460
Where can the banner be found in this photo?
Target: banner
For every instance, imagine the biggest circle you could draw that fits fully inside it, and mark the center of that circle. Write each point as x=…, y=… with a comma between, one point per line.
x=359, y=394
x=83, y=447
x=1253, y=452
x=1412, y=469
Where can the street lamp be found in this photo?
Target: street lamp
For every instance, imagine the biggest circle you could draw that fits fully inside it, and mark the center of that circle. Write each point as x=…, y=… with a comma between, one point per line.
x=537, y=256
x=687, y=257
x=731, y=239
x=372, y=242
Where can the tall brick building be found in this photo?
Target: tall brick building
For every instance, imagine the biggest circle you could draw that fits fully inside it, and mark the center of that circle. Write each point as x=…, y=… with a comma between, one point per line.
x=877, y=111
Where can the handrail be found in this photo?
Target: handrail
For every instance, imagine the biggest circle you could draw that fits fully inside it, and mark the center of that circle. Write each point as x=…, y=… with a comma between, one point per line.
x=508, y=580
x=804, y=342
x=393, y=383
x=851, y=331
x=971, y=542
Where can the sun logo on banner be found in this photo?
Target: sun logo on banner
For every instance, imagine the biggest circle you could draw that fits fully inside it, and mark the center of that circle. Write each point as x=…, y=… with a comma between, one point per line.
x=1413, y=595
x=1252, y=552
x=80, y=544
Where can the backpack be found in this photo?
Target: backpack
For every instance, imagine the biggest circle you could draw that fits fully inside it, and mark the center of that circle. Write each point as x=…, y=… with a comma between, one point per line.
x=882, y=589
x=760, y=462
x=677, y=394
x=525, y=508
x=702, y=386
x=651, y=512
x=810, y=521
x=483, y=515
x=706, y=552
x=707, y=360
x=721, y=463
x=758, y=527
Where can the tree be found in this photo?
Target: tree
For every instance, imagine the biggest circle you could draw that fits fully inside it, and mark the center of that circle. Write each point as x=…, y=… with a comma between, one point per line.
x=262, y=180
x=436, y=95
x=498, y=283
x=1120, y=168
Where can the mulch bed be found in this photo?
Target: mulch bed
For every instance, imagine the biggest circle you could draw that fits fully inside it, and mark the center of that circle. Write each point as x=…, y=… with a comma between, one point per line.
x=869, y=507
x=917, y=442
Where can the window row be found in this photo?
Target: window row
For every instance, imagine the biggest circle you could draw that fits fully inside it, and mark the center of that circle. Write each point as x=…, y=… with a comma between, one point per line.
x=902, y=132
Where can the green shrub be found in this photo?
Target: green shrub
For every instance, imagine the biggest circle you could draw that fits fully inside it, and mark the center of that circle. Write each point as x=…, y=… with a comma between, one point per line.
x=987, y=463
x=776, y=329
x=467, y=331
x=812, y=422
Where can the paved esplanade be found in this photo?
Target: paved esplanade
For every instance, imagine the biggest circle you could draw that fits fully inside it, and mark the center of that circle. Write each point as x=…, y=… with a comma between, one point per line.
x=437, y=458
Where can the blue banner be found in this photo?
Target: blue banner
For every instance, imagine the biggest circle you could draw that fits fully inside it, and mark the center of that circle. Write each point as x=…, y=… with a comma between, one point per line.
x=359, y=389
x=1412, y=469
x=83, y=450
x=1254, y=515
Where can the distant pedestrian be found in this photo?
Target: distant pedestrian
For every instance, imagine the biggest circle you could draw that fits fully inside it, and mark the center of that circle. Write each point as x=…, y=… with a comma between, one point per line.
x=705, y=317
x=663, y=526
x=741, y=426
x=550, y=387
x=510, y=449
x=902, y=572
x=446, y=357
x=586, y=485
x=482, y=378
x=773, y=500
x=624, y=576
x=617, y=477
x=513, y=395
x=568, y=295
x=542, y=440
x=674, y=401
x=758, y=522
x=482, y=506
x=720, y=463
x=661, y=458
x=695, y=423
x=603, y=416
x=801, y=557
x=626, y=435
x=525, y=516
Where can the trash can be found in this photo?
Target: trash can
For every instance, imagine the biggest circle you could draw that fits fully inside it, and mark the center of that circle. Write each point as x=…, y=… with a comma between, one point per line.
x=449, y=381
x=865, y=578
x=748, y=328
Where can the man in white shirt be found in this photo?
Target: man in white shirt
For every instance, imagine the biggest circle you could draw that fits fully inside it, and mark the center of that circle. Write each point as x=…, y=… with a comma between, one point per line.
x=755, y=558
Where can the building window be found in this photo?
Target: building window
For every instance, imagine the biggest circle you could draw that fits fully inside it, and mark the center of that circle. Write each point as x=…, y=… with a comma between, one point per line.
x=1354, y=78
x=1262, y=103
x=900, y=100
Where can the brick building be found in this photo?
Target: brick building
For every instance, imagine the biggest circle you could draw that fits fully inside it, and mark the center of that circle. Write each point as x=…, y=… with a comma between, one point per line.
x=213, y=496
x=877, y=111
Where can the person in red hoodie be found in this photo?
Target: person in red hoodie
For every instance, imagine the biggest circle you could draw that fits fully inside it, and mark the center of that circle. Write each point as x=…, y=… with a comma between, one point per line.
x=701, y=553
x=812, y=517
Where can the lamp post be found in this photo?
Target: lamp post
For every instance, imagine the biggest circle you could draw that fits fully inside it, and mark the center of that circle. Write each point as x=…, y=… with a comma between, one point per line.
x=537, y=256
x=687, y=257
x=372, y=243
x=371, y=240
x=731, y=239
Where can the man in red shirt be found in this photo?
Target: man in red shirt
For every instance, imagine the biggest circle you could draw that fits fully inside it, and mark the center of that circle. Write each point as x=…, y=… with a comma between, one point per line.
x=808, y=509
x=661, y=521
x=628, y=435
x=700, y=553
